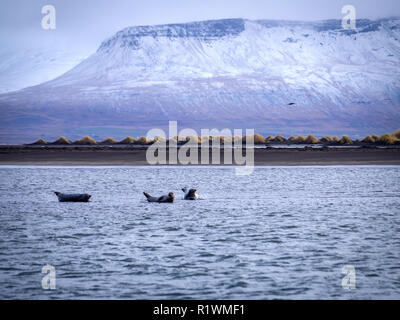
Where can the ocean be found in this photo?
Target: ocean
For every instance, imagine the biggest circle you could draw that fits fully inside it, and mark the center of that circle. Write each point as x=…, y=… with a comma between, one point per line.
x=279, y=233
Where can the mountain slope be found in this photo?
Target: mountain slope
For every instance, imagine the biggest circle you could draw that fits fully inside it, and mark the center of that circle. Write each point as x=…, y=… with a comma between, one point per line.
x=231, y=73
x=24, y=68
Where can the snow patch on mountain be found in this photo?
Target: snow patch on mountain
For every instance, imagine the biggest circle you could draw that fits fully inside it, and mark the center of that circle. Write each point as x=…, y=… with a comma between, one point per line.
x=28, y=67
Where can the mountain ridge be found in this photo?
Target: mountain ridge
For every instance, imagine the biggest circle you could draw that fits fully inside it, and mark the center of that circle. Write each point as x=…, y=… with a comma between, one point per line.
x=225, y=73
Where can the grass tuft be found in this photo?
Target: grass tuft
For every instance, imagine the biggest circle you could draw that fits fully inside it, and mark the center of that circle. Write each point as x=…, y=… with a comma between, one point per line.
x=62, y=141
x=128, y=140
x=345, y=140
x=86, y=141
x=40, y=142
x=311, y=139
x=109, y=141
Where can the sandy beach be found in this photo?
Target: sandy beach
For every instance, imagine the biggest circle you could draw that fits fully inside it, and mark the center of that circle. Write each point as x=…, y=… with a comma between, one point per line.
x=104, y=155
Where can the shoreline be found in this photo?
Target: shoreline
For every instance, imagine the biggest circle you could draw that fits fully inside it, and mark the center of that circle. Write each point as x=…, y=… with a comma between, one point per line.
x=128, y=156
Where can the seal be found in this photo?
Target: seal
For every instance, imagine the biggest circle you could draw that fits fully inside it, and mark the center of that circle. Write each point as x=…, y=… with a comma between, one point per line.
x=169, y=198
x=79, y=197
x=190, y=194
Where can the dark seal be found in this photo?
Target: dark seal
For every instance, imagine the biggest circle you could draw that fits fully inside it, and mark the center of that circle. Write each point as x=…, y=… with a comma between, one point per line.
x=190, y=194
x=169, y=198
x=78, y=197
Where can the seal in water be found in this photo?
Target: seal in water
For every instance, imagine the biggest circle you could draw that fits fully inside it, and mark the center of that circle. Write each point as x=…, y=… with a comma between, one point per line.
x=191, y=194
x=163, y=199
x=64, y=197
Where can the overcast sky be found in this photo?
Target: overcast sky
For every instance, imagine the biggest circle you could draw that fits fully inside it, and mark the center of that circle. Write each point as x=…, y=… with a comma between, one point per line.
x=88, y=22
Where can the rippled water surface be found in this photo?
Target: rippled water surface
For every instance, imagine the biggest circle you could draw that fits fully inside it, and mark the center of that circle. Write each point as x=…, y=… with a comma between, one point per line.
x=282, y=232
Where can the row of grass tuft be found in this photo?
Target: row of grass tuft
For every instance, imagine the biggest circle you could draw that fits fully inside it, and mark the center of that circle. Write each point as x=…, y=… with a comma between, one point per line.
x=384, y=139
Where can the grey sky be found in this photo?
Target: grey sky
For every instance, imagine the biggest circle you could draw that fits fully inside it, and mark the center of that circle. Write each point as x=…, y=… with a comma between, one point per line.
x=88, y=22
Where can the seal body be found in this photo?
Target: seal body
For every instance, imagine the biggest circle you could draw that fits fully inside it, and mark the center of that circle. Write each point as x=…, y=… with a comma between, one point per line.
x=190, y=194
x=169, y=198
x=79, y=197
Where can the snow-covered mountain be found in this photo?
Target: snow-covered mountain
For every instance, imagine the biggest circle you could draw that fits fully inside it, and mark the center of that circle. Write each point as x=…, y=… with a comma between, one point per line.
x=232, y=73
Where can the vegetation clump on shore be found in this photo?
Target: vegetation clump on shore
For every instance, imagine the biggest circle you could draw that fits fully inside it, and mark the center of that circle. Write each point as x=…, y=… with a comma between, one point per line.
x=128, y=140
x=368, y=139
x=387, y=139
x=384, y=139
x=259, y=139
x=109, y=141
x=326, y=139
x=62, y=141
x=311, y=139
x=345, y=140
x=279, y=139
x=177, y=139
x=143, y=141
x=159, y=139
x=86, y=140
x=193, y=139
x=40, y=142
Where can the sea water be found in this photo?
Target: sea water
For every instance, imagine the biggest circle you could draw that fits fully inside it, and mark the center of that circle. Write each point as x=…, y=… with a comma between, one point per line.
x=279, y=233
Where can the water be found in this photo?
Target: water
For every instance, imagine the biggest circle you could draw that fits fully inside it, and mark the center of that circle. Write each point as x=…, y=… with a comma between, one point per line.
x=282, y=232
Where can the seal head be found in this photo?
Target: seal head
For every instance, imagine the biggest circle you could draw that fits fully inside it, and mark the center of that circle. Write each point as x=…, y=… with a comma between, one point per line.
x=191, y=194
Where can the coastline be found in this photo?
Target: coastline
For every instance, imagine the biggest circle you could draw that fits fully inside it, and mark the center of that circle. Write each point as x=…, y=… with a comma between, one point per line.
x=132, y=156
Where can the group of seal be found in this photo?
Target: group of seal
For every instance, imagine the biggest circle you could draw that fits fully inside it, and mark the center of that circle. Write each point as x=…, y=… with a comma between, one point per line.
x=190, y=194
